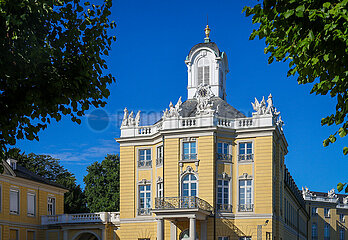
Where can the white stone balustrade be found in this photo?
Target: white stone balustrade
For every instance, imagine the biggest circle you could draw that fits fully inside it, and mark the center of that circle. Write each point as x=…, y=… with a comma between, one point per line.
x=199, y=121
x=101, y=217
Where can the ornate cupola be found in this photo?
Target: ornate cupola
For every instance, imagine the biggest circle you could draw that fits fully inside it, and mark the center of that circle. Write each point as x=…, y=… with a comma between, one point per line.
x=207, y=66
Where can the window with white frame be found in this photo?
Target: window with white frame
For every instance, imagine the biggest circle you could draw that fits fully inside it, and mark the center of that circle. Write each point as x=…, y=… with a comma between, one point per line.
x=314, y=231
x=223, y=195
x=223, y=151
x=189, y=150
x=145, y=159
x=327, y=231
x=144, y=199
x=31, y=203
x=342, y=218
x=189, y=185
x=314, y=211
x=51, y=206
x=245, y=196
x=245, y=238
x=341, y=233
x=160, y=189
x=223, y=238
x=327, y=212
x=203, y=71
x=14, y=201
x=159, y=158
x=245, y=151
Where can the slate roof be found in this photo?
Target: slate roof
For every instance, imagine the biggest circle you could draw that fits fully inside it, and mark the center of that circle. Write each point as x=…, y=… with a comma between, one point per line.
x=22, y=172
x=188, y=108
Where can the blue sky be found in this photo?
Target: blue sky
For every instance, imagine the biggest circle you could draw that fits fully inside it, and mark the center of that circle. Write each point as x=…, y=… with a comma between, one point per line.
x=153, y=40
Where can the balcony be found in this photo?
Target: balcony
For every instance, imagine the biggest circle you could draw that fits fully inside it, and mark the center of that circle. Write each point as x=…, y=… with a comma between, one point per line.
x=246, y=157
x=224, y=157
x=144, y=211
x=159, y=161
x=101, y=217
x=145, y=164
x=224, y=207
x=246, y=207
x=189, y=157
x=170, y=203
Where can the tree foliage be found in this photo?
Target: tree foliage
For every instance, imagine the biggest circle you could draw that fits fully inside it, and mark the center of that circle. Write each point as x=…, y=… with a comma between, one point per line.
x=50, y=169
x=51, y=63
x=313, y=36
x=103, y=185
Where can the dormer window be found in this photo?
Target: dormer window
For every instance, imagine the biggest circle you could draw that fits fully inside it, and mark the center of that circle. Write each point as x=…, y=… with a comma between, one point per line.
x=203, y=71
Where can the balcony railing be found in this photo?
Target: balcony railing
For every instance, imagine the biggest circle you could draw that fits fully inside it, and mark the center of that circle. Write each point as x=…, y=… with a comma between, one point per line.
x=246, y=207
x=145, y=163
x=246, y=157
x=159, y=161
x=101, y=217
x=189, y=156
x=189, y=202
x=224, y=207
x=144, y=211
x=224, y=157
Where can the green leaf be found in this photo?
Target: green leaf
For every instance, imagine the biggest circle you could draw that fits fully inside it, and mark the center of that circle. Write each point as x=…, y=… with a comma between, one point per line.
x=300, y=10
x=326, y=5
x=342, y=132
x=289, y=13
x=326, y=57
x=345, y=150
x=340, y=186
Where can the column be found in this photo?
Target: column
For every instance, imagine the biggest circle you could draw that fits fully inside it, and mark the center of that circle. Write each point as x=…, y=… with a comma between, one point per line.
x=204, y=230
x=193, y=228
x=173, y=230
x=160, y=233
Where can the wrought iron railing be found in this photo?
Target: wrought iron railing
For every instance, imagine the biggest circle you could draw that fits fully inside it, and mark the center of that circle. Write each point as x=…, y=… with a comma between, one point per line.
x=224, y=207
x=159, y=161
x=189, y=202
x=224, y=157
x=190, y=156
x=144, y=211
x=246, y=207
x=145, y=163
x=246, y=157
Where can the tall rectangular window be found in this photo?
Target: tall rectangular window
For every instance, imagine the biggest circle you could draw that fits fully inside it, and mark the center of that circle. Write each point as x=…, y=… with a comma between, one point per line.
x=342, y=218
x=14, y=201
x=223, y=151
x=223, y=195
x=190, y=151
x=314, y=231
x=223, y=238
x=145, y=158
x=160, y=189
x=341, y=233
x=159, y=158
x=245, y=151
x=144, y=199
x=31, y=235
x=203, y=75
x=31, y=204
x=51, y=206
x=245, y=196
x=14, y=234
x=326, y=231
x=314, y=211
x=327, y=212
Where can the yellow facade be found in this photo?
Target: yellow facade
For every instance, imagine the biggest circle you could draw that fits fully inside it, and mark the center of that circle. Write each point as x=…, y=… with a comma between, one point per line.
x=22, y=225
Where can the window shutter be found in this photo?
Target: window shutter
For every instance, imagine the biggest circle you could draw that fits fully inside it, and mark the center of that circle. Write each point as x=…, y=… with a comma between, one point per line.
x=14, y=201
x=200, y=75
x=31, y=204
x=206, y=75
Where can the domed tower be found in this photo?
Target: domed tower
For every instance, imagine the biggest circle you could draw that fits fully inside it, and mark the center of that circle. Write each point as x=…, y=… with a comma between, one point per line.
x=206, y=65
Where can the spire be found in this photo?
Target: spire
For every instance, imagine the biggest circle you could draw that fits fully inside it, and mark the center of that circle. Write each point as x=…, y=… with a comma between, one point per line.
x=207, y=32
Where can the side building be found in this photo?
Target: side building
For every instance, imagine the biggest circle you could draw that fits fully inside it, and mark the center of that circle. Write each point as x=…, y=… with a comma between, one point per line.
x=205, y=170
x=25, y=197
x=328, y=215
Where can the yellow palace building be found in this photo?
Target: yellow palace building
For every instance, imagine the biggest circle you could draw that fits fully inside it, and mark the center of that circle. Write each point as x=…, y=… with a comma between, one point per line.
x=205, y=170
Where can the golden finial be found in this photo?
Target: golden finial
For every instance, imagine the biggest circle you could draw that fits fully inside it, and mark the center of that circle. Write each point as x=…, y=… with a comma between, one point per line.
x=207, y=32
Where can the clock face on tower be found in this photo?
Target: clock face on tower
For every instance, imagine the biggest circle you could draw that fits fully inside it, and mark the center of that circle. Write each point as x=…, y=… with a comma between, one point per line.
x=202, y=92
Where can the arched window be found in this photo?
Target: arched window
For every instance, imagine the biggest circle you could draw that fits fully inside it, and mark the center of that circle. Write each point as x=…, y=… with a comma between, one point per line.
x=203, y=71
x=189, y=185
